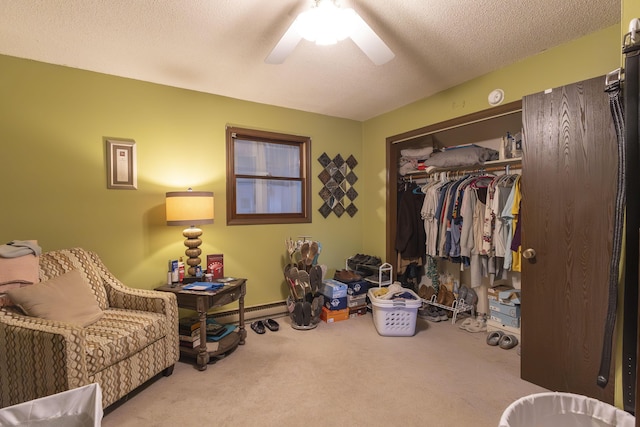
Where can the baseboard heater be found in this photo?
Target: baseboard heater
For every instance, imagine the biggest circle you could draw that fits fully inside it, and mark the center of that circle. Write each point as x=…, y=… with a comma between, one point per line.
x=263, y=311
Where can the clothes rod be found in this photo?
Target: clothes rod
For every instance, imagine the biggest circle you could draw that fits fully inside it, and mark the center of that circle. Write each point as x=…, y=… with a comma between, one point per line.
x=476, y=168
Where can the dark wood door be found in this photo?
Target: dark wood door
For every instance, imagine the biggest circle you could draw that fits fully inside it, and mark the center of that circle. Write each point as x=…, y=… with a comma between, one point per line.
x=568, y=186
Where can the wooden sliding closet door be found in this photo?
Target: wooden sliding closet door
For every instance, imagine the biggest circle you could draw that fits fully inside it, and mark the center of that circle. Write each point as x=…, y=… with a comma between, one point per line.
x=568, y=186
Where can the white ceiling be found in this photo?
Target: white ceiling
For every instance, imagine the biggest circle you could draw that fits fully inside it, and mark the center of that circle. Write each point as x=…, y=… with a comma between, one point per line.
x=219, y=46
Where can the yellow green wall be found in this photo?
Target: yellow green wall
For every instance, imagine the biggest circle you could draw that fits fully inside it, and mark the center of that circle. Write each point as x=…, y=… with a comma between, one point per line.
x=52, y=123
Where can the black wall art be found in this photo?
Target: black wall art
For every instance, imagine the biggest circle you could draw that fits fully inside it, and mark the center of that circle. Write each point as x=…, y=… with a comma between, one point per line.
x=337, y=178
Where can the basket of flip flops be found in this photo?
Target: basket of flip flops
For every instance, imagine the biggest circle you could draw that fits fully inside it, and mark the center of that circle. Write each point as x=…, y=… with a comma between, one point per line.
x=394, y=310
x=303, y=253
x=305, y=301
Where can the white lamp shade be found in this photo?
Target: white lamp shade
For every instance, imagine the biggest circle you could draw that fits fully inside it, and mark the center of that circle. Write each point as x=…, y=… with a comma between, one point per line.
x=189, y=207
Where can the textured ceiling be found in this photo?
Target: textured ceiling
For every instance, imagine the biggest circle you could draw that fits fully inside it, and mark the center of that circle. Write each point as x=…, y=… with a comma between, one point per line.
x=219, y=46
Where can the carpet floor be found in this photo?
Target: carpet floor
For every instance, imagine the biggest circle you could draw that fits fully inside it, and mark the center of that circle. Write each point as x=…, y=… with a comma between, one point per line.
x=341, y=373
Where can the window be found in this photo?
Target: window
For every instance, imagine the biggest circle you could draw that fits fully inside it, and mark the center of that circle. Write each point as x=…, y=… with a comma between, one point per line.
x=267, y=177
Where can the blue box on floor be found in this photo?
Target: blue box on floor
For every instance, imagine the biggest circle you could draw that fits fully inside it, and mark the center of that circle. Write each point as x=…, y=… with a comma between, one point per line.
x=331, y=288
x=359, y=287
x=505, y=320
x=509, y=310
x=336, y=303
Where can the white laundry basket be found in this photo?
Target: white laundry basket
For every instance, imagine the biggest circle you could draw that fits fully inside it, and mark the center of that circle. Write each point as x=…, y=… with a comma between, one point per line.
x=395, y=317
x=563, y=410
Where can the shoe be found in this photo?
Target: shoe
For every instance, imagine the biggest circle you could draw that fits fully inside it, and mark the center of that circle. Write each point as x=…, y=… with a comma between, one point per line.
x=472, y=297
x=432, y=314
x=313, y=253
x=508, y=341
x=315, y=278
x=466, y=322
x=476, y=326
x=297, y=314
x=494, y=337
x=346, y=276
x=449, y=298
x=444, y=314
x=316, y=306
x=426, y=292
x=258, y=327
x=272, y=325
x=306, y=314
x=462, y=293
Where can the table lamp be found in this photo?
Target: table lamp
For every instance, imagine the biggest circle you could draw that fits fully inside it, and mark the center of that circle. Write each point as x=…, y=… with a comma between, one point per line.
x=190, y=208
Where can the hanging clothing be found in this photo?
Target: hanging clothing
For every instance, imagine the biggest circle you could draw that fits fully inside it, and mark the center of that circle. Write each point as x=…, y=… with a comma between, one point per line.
x=410, y=237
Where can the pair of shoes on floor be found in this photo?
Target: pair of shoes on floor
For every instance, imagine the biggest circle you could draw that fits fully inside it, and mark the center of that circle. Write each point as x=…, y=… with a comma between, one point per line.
x=346, y=276
x=259, y=326
x=504, y=341
x=474, y=325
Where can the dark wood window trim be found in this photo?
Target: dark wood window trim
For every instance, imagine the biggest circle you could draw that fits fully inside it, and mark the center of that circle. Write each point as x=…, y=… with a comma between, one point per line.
x=303, y=142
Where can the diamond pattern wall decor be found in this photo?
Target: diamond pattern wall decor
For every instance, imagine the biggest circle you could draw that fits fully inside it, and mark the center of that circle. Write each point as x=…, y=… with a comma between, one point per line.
x=337, y=178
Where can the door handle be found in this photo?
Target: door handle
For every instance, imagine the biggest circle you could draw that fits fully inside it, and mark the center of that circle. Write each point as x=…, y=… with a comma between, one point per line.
x=529, y=253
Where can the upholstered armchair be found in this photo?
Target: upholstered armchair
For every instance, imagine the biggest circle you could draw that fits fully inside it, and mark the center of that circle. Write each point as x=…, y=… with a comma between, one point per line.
x=134, y=337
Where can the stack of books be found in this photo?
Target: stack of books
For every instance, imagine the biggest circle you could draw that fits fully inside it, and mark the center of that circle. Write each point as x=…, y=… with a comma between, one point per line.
x=189, y=332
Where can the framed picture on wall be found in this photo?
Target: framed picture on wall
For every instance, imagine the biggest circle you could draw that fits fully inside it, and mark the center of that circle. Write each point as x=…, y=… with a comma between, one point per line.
x=121, y=164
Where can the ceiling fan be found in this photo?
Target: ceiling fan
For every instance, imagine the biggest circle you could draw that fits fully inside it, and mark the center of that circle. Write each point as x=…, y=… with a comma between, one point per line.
x=326, y=23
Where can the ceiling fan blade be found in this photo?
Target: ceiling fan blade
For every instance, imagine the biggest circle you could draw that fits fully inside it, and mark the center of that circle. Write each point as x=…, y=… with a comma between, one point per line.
x=367, y=40
x=285, y=46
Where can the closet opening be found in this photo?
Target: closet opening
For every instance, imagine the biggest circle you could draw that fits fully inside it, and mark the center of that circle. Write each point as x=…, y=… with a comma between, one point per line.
x=485, y=130
x=480, y=126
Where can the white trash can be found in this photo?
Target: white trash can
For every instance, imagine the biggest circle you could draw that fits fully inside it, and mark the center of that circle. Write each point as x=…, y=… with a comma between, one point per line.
x=555, y=409
x=79, y=407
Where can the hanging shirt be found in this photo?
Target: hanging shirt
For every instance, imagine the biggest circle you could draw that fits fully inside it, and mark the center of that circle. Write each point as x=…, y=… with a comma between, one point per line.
x=507, y=216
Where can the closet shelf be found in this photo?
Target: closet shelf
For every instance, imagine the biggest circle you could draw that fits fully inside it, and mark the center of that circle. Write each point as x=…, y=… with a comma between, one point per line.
x=489, y=166
x=458, y=306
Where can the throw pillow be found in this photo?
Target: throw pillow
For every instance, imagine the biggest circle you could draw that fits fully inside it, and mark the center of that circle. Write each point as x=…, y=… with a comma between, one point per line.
x=4, y=298
x=66, y=298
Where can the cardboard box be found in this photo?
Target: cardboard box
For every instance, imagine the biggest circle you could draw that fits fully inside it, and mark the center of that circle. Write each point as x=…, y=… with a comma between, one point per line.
x=335, y=303
x=493, y=325
x=356, y=300
x=505, y=320
x=510, y=297
x=494, y=292
x=331, y=316
x=358, y=288
x=357, y=311
x=509, y=310
x=331, y=288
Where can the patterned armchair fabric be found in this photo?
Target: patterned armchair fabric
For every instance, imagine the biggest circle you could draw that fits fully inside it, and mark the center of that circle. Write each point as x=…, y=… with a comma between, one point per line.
x=136, y=338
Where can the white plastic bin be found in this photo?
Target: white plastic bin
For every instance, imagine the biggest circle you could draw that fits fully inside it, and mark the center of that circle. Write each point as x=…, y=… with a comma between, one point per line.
x=79, y=407
x=395, y=317
x=555, y=409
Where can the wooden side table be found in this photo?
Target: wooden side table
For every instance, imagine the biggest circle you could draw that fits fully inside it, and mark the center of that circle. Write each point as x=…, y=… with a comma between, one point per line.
x=202, y=302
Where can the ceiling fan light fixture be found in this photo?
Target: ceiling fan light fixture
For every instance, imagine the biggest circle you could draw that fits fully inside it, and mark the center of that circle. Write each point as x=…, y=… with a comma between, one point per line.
x=326, y=23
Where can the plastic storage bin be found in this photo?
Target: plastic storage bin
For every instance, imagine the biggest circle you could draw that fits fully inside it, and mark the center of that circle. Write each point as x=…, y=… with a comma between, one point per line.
x=555, y=409
x=79, y=407
x=395, y=317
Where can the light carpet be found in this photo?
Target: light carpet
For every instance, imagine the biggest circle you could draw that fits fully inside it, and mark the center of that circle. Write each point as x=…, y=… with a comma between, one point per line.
x=341, y=373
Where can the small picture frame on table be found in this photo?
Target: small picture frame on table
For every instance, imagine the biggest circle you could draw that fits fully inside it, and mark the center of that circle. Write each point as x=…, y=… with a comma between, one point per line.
x=121, y=164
